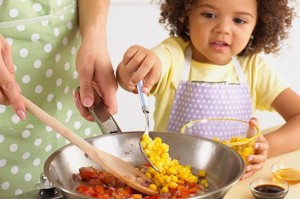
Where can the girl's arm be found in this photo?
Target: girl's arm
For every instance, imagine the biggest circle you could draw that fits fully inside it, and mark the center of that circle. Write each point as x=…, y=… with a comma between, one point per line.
x=286, y=138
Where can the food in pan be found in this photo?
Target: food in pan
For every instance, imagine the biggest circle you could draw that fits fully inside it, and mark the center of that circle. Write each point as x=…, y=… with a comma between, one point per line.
x=172, y=181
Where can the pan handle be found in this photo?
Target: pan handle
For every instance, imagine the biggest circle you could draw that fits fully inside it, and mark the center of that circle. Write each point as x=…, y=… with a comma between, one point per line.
x=102, y=117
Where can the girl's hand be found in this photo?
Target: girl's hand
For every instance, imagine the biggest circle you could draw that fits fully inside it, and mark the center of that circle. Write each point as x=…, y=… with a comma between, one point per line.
x=256, y=161
x=139, y=64
x=10, y=92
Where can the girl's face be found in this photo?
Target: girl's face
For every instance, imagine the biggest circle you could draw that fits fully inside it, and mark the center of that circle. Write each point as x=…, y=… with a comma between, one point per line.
x=220, y=29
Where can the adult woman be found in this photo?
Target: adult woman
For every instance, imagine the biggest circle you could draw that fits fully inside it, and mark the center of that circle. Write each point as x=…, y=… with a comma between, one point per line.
x=45, y=38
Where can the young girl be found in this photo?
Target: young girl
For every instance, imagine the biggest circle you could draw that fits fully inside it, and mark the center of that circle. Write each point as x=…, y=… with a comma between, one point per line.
x=211, y=67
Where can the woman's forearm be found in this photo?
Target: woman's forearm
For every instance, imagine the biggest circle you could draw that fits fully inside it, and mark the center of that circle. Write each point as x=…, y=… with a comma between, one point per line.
x=93, y=18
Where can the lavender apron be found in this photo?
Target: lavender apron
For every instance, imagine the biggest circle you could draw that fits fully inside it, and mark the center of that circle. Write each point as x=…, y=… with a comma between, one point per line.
x=197, y=100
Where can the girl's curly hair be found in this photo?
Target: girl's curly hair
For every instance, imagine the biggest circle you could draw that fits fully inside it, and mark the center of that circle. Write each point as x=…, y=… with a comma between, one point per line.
x=274, y=20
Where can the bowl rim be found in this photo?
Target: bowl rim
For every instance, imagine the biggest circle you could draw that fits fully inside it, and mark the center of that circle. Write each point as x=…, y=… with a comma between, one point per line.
x=284, y=162
x=226, y=119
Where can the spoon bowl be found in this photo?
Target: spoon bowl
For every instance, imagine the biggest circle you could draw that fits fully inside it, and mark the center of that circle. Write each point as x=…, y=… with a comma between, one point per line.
x=145, y=109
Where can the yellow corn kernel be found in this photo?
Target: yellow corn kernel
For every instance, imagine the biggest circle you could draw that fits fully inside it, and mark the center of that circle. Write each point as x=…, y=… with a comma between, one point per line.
x=153, y=187
x=202, y=173
x=204, y=183
x=165, y=189
x=172, y=170
x=174, y=178
x=173, y=185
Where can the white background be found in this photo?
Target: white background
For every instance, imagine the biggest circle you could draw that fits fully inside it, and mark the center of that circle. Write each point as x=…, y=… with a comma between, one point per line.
x=136, y=22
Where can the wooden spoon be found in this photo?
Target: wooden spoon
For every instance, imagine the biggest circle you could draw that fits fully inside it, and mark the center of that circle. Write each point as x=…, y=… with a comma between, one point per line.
x=117, y=167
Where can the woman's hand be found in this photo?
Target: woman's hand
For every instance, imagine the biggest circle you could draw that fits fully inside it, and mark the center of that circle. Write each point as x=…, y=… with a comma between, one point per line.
x=139, y=64
x=93, y=61
x=261, y=147
x=10, y=92
x=95, y=70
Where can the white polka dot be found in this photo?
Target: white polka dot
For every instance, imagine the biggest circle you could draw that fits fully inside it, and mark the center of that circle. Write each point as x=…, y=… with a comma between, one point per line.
x=20, y=28
x=1, y=138
x=10, y=41
x=65, y=41
x=48, y=48
x=38, y=89
x=48, y=129
x=15, y=119
x=2, y=108
x=58, y=82
x=36, y=162
x=77, y=125
x=15, y=67
x=57, y=135
x=50, y=97
x=23, y=52
x=56, y=32
x=13, y=13
x=30, y=126
x=59, y=105
x=66, y=89
x=13, y=147
x=5, y=185
x=37, y=63
x=18, y=192
x=26, y=133
x=38, y=142
x=35, y=37
x=87, y=131
x=26, y=155
x=49, y=73
x=69, y=113
x=37, y=7
x=26, y=79
x=73, y=51
x=70, y=25
x=67, y=120
x=14, y=169
x=45, y=23
x=57, y=57
x=3, y=162
x=27, y=177
x=1, y=2
x=48, y=148
x=75, y=75
x=67, y=66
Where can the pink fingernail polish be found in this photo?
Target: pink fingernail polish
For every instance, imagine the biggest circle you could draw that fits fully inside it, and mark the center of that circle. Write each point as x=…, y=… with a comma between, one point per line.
x=21, y=114
x=87, y=102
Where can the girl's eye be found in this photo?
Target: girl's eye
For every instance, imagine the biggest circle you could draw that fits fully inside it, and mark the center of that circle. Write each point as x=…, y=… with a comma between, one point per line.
x=208, y=15
x=239, y=21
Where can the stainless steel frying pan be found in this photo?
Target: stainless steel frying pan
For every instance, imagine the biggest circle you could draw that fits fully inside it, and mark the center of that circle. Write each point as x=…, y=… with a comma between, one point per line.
x=224, y=166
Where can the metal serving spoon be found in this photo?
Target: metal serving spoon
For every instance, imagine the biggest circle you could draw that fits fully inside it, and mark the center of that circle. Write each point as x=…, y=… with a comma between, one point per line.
x=145, y=109
x=117, y=167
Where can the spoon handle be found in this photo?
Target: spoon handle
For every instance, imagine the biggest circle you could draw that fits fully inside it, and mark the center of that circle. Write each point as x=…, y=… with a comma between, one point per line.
x=143, y=97
x=59, y=128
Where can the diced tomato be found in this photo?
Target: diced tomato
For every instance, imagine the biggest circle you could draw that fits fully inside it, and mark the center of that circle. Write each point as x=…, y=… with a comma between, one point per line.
x=103, y=185
x=87, y=172
x=99, y=189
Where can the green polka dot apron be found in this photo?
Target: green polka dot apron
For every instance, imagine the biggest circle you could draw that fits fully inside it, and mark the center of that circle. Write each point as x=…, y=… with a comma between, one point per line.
x=44, y=36
x=198, y=100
